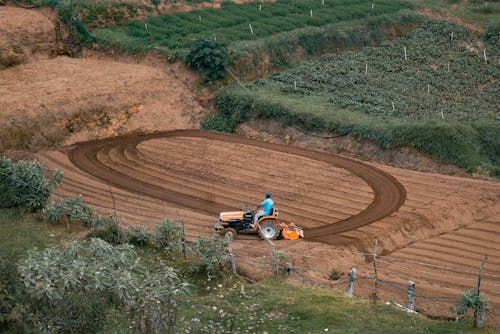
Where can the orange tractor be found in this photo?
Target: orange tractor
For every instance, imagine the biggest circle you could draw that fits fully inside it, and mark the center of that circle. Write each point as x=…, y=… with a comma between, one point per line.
x=268, y=227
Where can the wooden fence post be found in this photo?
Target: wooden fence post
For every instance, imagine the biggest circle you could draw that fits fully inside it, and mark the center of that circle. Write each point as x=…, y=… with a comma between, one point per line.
x=411, y=296
x=288, y=268
x=375, y=284
x=352, y=280
x=479, y=311
x=231, y=260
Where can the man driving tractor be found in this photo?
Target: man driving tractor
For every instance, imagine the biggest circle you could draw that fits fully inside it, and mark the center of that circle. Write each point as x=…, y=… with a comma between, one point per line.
x=265, y=223
x=267, y=209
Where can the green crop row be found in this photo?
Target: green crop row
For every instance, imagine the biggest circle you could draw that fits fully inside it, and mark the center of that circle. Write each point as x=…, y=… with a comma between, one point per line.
x=442, y=76
x=452, y=115
x=232, y=22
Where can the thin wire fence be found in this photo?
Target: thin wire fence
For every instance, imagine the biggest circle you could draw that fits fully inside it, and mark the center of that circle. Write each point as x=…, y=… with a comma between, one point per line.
x=434, y=291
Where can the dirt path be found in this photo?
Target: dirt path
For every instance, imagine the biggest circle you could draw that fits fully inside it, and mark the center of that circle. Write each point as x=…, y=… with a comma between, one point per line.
x=389, y=195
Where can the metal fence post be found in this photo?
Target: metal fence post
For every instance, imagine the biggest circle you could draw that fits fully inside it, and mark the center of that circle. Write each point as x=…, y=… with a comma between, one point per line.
x=352, y=280
x=411, y=296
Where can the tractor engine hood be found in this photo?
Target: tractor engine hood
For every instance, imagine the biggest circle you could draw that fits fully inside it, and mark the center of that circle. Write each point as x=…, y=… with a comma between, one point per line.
x=231, y=215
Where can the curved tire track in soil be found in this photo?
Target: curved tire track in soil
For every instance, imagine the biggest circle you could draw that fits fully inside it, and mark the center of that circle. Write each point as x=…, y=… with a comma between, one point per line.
x=389, y=194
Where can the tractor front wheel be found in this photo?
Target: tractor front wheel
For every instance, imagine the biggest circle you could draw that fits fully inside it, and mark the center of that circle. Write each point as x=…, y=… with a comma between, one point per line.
x=229, y=233
x=268, y=229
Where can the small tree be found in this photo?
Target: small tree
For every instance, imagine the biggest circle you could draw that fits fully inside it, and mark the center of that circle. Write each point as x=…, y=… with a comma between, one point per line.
x=107, y=229
x=212, y=256
x=168, y=235
x=96, y=268
x=137, y=235
x=210, y=57
x=69, y=210
x=26, y=184
x=478, y=302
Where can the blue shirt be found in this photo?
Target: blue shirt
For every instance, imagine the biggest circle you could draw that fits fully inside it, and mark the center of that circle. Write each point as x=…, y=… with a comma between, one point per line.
x=268, y=205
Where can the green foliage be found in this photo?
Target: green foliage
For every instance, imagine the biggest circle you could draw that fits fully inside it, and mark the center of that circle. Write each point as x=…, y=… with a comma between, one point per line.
x=478, y=302
x=420, y=87
x=492, y=34
x=114, y=273
x=137, y=235
x=218, y=122
x=211, y=255
x=168, y=235
x=26, y=184
x=334, y=93
x=280, y=260
x=107, y=229
x=69, y=210
x=231, y=22
x=209, y=57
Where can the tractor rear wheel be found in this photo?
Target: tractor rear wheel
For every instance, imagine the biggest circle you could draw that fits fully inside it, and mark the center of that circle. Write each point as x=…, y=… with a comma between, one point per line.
x=268, y=229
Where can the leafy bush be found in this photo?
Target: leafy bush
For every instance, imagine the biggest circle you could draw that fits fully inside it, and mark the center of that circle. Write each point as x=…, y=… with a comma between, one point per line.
x=492, y=34
x=108, y=230
x=211, y=255
x=218, y=122
x=471, y=299
x=70, y=210
x=210, y=57
x=168, y=235
x=137, y=235
x=26, y=184
x=55, y=277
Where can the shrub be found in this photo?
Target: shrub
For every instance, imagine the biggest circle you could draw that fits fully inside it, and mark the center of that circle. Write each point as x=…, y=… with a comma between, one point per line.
x=492, y=34
x=108, y=230
x=218, y=122
x=71, y=288
x=137, y=235
x=336, y=275
x=70, y=210
x=211, y=255
x=168, y=235
x=26, y=184
x=471, y=299
x=210, y=57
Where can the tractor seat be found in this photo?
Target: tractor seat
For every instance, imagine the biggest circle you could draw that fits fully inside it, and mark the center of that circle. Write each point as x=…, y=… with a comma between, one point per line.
x=274, y=212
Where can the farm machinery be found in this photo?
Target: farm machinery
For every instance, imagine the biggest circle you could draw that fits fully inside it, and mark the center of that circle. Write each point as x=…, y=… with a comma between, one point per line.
x=267, y=227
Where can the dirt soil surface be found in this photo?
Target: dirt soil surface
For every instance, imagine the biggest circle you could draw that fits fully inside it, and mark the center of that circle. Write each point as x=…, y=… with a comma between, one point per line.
x=25, y=35
x=62, y=98
x=65, y=86
x=343, y=204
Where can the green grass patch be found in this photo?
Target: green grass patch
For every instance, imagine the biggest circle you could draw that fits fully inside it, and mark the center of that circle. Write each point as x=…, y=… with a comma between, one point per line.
x=291, y=307
x=378, y=95
x=231, y=22
x=479, y=12
x=20, y=232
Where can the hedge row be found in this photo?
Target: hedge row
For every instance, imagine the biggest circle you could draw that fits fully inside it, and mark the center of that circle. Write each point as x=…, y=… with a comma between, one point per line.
x=315, y=41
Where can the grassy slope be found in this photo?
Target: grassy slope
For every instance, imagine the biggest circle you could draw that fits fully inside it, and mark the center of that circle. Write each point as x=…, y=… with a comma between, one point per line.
x=272, y=306
x=20, y=233
x=478, y=12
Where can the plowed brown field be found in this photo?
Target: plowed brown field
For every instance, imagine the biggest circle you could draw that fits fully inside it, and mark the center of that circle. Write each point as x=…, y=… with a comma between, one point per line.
x=344, y=205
